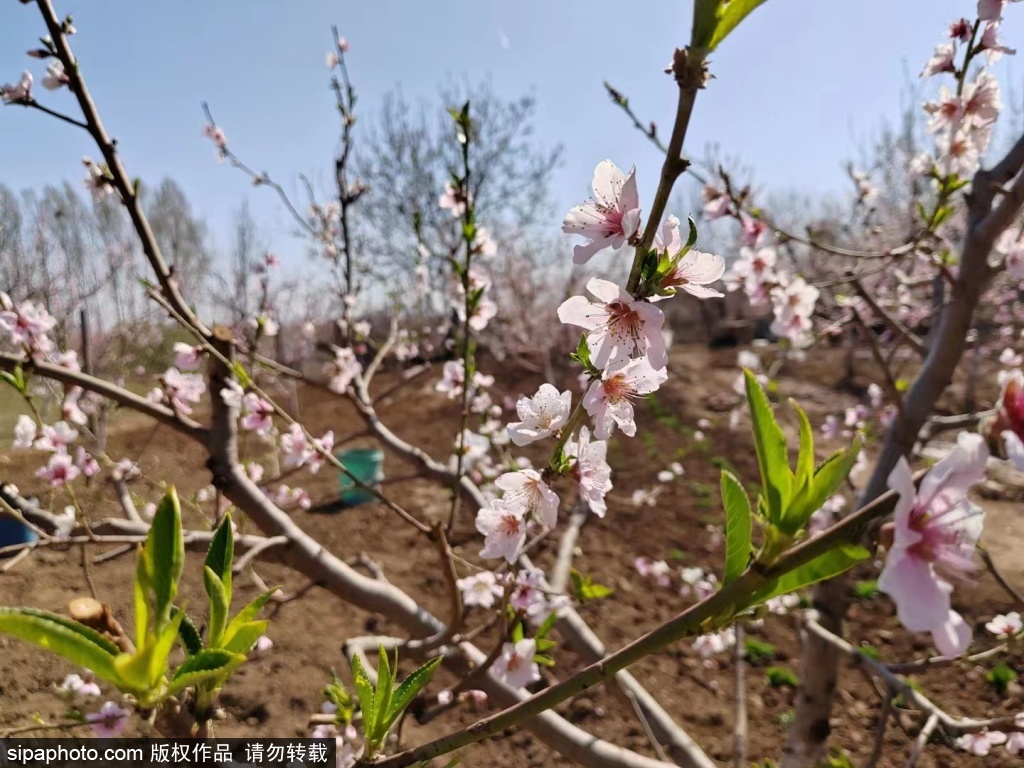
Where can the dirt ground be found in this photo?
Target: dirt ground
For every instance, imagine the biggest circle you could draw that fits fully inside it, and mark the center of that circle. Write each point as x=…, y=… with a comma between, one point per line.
x=276, y=693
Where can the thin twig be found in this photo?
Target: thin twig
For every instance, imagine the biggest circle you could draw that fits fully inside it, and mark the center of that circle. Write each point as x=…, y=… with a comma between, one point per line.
x=894, y=325
x=883, y=721
x=922, y=739
x=249, y=557
x=658, y=749
x=1011, y=590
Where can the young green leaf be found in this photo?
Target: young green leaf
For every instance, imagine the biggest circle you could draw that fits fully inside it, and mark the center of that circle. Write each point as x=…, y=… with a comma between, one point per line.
x=221, y=553
x=584, y=588
x=244, y=617
x=245, y=637
x=336, y=693
x=738, y=520
x=805, y=457
x=770, y=446
x=691, y=239
x=69, y=639
x=219, y=606
x=546, y=626
x=165, y=551
x=728, y=16
x=207, y=665
x=824, y=483
x=382, y=696
x=411, y=686
x=143, y=671
x=143, y=588
x=241, y=375
x=364, y=691
x=188, y=634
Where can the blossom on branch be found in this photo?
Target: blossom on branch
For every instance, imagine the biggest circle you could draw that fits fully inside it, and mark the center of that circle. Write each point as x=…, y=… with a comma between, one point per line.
x=591, y=470
x=258, y=414
x=936, y=529
x=55, y=76
x=24, y=432
x=503, y=525
x=56, y=437
x=526, y=489
x=941, y=61
x=19, y=92
x=59, y=470
x=515, y=666
x=540, y=416
x=26, y=324
x=480, y=589
x=610, y=218
x=618, y=326
x=609, y=399
x=342, y=369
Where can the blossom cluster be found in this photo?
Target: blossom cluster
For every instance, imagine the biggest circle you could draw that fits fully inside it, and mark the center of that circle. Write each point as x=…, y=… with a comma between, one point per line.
x=623, y=352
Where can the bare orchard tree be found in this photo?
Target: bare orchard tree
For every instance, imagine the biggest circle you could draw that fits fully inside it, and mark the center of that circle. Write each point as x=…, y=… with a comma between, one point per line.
x=405, y=161
x=182, y=236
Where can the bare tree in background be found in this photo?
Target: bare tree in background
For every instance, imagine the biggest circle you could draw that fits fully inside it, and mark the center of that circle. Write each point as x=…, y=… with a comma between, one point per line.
x=181, y=235
x=239, y=297
x=404, y=162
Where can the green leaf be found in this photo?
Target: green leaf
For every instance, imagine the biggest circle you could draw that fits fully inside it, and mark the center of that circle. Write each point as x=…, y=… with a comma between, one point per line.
x=165, y=551
x=144, y=670
x=691, y=240
x=585, y=588
x=649, y=265
x=823, y=567
x=221, y=553
x=546, y=626
x=824, y=483
x=219, y=606
x=241, y=375
x=336, y=693
x=382, y=696
x=715, y=19
x=364, y=691
x=737, y=526
x=16, y=378
x=142, y=589
x=411, y=686
x=207, y=665
x=245, y=637
x=582, y=356
x=188, y=634
x=73, y=641
x=246, y=616
x=805, y=457
x=942, y=215
x=770, y=446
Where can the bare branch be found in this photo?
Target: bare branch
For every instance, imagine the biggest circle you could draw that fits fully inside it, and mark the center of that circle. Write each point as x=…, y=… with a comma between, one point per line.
x=121, y=180
x=119, y=395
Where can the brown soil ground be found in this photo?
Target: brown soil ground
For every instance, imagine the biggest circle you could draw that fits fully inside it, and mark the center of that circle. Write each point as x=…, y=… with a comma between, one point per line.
x=275, y=694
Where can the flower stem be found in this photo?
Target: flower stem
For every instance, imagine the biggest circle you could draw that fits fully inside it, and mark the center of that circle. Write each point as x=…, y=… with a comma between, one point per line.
x=688, y=68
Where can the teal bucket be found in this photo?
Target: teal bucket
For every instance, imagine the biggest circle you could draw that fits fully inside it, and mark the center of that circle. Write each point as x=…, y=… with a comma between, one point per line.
x=367, y=465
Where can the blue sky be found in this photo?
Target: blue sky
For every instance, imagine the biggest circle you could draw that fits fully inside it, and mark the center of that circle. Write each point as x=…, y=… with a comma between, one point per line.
x=798, y=88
